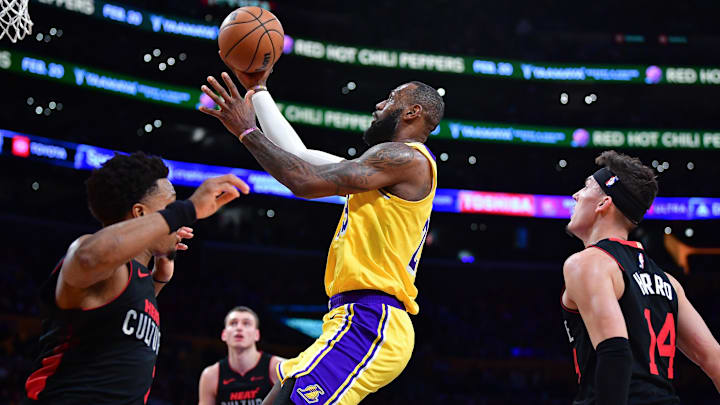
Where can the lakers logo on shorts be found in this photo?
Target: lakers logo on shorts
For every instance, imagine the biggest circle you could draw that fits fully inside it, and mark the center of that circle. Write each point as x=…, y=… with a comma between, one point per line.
x=311, y=393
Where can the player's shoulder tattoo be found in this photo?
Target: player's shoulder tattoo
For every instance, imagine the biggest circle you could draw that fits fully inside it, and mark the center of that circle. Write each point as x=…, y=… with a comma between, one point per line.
x=389, y=155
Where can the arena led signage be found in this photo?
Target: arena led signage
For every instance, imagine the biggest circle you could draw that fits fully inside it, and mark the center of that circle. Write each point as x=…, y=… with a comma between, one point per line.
x=187, y=97
x=401, y=59
x=81, y=76
x=87, y=157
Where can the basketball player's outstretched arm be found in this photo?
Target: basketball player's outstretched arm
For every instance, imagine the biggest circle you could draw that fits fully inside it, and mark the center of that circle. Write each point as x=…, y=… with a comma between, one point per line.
x=589, y=279
x=383, y=165
x=278, y=130
x=94, y=258
x=694, y=338
x=274, y=125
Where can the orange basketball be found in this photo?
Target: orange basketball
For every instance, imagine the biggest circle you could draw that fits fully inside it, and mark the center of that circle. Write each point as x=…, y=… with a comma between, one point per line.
x=251, y=39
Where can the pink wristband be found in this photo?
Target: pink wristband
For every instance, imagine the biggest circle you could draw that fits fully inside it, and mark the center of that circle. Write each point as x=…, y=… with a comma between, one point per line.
x=247, y=131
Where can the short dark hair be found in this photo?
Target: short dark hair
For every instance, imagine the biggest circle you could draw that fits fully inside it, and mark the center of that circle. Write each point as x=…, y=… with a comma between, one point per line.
x=121, y=182
x=638, y=178
x=243, y=308
x=431, y=102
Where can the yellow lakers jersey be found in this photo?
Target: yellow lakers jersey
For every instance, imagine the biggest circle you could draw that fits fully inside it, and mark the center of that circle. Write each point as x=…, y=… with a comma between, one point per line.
x=378, y=242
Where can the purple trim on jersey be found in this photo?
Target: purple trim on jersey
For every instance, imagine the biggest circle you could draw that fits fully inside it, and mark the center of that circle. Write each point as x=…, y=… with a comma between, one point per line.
x=370, y=297
x=369, y=358
x=327, y=345
x=431, y=154
x=340, y=362
x=386, y=195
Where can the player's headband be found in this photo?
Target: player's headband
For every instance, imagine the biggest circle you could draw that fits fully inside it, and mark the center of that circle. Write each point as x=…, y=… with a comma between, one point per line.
x=612, y=185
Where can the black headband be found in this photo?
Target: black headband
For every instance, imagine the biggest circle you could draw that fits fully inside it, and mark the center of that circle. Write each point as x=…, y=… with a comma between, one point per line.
x=633, y=209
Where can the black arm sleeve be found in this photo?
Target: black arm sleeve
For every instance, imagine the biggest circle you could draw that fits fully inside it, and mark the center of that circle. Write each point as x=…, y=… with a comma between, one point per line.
x=613, y=371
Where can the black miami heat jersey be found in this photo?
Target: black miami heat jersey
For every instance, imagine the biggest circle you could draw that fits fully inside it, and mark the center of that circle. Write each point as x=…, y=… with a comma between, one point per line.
x=250, y=389
x=103, y=355
x=650, y=307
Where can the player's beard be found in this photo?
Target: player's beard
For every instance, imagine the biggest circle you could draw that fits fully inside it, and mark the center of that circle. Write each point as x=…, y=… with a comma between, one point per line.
x=383, y=129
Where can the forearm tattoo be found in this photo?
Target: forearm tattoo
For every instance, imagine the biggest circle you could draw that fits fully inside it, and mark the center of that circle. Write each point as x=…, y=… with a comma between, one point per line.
x=345, y=177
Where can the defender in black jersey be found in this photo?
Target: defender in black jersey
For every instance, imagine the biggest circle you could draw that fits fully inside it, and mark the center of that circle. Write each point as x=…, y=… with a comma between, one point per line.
x=623, y=315
x=101, y=335
x=246, y=375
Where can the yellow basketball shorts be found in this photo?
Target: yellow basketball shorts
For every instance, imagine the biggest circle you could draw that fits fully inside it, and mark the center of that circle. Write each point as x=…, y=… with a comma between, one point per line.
x=363, y=347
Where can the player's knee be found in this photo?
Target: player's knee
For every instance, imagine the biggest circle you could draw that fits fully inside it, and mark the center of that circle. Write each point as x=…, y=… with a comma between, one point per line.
x=283, y=397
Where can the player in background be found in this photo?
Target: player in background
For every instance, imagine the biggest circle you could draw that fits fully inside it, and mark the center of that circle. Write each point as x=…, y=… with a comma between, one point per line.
x=624, y=316
x=246, y=374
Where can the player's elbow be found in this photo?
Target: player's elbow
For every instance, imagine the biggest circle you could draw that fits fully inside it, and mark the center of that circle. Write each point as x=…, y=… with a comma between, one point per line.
x=308, y=190
x=709, y=361
x=86, y=260
x=307, y=194
x=299, y=189
x=78, y=268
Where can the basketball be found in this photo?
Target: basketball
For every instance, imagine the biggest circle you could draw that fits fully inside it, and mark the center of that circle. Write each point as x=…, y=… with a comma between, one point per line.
x=251, y=39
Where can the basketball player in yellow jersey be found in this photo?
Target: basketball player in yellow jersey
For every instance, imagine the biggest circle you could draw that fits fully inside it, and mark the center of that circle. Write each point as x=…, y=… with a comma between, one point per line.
x=367, y=336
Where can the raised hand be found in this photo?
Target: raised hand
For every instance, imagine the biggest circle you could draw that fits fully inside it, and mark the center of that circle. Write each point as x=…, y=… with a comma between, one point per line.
x=236, y=112
x=215, y=192
x=165, y=265
x=183, y=233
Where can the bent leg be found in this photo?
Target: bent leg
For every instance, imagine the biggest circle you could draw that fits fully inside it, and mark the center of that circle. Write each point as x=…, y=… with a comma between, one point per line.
x=362, y=349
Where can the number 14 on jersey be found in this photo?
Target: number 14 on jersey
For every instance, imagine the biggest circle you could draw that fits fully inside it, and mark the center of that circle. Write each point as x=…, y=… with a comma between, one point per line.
x=664, y=341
